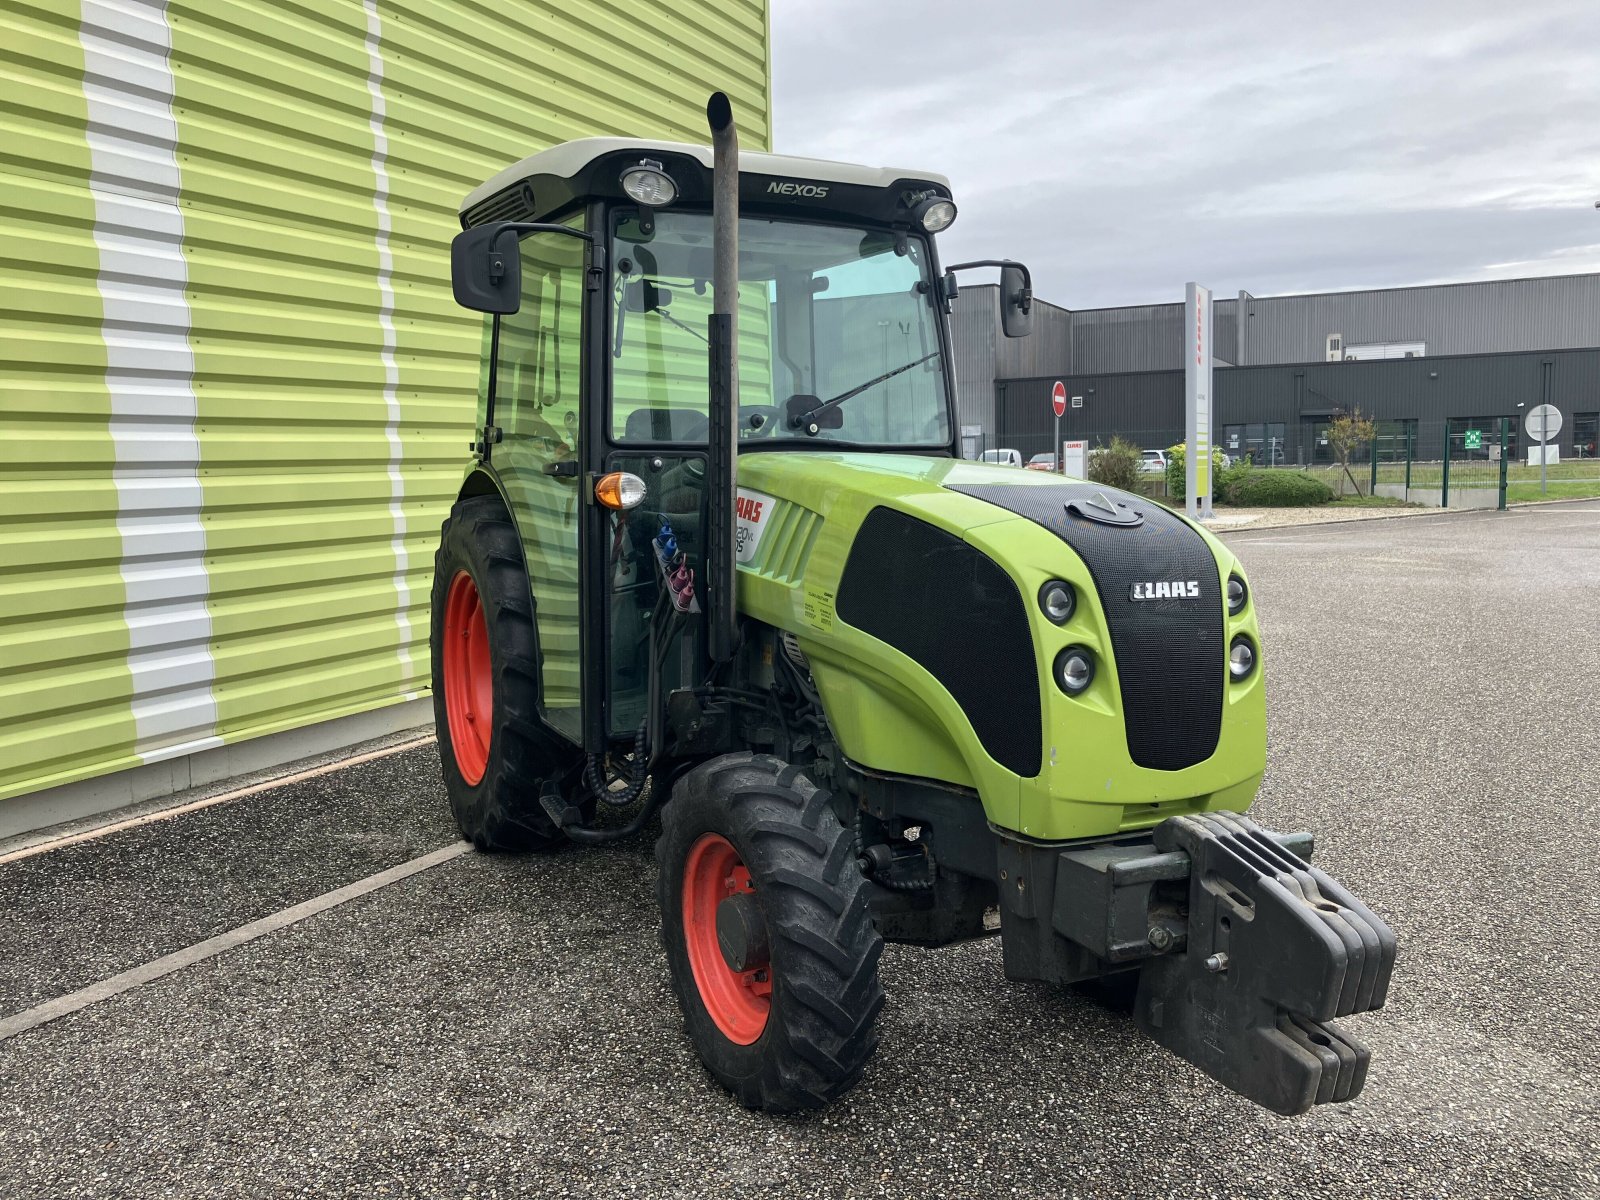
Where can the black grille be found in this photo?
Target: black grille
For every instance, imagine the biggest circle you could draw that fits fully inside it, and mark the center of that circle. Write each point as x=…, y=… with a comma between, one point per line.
x=513, y=204
x=1170, y=657
x=953, y=610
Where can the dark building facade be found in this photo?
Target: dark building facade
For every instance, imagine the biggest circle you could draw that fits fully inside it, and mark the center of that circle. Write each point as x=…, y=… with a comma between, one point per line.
x=1278, y=413
x=1426, y=362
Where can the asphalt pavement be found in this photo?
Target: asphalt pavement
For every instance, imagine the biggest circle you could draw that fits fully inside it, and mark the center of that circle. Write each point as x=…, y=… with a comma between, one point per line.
x=502, y=1026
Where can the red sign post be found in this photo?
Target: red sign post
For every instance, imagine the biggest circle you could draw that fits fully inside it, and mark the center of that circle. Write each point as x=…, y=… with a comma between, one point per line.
x=1058, y=401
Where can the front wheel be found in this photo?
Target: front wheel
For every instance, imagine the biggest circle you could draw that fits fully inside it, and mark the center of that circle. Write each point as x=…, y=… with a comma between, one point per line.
x=771, y=946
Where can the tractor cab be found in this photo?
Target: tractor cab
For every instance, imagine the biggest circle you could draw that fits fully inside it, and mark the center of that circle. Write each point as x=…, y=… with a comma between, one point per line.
x=595, y=262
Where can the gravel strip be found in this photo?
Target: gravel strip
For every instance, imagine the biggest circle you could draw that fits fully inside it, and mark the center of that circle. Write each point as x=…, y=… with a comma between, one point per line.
x=1229, y=519
x=502, y=1027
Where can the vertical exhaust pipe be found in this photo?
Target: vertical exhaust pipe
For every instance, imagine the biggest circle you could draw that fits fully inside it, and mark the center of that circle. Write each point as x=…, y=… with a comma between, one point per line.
x=723, y=336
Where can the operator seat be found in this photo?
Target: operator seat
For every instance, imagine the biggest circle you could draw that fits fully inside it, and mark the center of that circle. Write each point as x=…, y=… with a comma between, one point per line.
x=666, y=425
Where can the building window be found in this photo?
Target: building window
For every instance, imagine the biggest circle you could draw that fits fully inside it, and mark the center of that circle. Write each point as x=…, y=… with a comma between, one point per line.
x=1372, y=350
x=1586, y=435
x=1261, y=443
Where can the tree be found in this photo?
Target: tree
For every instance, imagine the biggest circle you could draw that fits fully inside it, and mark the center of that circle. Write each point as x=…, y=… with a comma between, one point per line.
x=1346, y=432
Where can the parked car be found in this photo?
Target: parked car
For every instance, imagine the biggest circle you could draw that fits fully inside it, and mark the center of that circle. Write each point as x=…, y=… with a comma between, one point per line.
x=1153, y=462
x=1006, y=458
x=1043, y=462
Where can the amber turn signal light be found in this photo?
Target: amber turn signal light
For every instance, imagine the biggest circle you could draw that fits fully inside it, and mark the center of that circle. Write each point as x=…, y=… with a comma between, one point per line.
x=619, y=490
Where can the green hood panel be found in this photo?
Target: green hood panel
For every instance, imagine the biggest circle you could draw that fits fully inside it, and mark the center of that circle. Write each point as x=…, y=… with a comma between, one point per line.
x=891, y=714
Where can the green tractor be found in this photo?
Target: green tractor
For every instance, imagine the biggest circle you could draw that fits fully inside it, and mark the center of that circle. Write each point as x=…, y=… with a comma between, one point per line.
x=718, y=557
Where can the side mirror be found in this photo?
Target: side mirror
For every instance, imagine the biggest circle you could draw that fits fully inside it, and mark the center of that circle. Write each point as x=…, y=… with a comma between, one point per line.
x=486, y=268
x=1016, y=301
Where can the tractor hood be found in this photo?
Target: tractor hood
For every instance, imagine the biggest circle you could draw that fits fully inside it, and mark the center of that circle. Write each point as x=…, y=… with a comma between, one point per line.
x=913, y=586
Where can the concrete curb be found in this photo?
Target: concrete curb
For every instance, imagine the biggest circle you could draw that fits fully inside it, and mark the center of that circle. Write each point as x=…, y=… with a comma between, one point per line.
x=1410, y=516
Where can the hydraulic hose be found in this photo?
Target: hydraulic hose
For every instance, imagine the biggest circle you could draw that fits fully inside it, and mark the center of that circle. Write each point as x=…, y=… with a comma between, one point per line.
x=585, y=836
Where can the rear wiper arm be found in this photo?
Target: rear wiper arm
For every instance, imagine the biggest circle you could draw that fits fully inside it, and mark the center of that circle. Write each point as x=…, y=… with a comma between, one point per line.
x=804, y=419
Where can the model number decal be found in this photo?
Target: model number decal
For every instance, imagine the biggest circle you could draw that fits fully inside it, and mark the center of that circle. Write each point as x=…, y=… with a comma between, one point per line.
x=788, y=187
x=752, y=511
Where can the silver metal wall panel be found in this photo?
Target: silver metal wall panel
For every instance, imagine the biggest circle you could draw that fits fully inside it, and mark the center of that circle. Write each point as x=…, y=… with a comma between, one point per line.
x=1148, y=337
x=974, y=330
x=1557, y=312
x=1048, y=349
x=1144, y=338
x=1500, y=316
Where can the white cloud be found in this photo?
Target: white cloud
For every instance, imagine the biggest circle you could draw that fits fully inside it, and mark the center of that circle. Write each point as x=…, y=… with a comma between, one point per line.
x=1121, y=149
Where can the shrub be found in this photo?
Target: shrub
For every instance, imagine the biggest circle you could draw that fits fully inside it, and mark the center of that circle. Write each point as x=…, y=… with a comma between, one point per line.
x=1280, y=489
x=1177, y=472
x=1229, y=478
x=1116, y=465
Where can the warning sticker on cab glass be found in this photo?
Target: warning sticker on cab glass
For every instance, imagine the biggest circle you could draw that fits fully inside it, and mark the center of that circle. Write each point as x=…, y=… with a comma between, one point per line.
x=752, y=513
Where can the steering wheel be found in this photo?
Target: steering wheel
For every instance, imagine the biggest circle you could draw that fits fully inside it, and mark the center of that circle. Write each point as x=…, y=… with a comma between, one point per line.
x=760, y=420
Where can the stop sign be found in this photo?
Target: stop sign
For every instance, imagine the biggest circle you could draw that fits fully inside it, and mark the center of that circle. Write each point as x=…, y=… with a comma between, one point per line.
x=1058, y=398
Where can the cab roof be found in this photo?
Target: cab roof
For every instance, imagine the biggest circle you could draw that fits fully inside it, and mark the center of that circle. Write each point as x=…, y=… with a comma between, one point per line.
x=569, y=159
x=552, y=183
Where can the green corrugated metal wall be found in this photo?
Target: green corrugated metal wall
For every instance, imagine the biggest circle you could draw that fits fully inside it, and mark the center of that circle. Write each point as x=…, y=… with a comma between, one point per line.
x=235, y=395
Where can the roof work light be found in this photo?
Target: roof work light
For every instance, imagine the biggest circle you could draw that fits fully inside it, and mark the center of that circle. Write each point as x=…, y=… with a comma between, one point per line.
x=648, y=183
x=935, y=214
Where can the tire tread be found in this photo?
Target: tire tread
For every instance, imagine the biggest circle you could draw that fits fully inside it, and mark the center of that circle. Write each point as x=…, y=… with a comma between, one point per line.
x=826, y=949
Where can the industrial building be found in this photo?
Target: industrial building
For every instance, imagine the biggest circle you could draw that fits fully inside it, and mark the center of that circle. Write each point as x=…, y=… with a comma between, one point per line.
x=1427, y=362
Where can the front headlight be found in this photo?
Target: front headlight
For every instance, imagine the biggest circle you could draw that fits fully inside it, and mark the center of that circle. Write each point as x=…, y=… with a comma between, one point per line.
x=1057, y=601
x=1074, y=669
x=1238, y=595
x=1241, y=658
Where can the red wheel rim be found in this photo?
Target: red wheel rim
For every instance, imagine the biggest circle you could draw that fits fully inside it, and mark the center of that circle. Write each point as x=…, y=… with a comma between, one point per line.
x=468, y=678
x=738, y=1001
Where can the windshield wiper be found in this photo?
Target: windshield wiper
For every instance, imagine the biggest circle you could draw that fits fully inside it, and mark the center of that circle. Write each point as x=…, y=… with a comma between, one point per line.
x=661, y=312
x=804, y=419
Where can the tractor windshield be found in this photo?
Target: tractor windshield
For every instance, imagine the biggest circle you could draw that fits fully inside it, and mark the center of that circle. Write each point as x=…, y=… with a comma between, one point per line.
x=837, y=340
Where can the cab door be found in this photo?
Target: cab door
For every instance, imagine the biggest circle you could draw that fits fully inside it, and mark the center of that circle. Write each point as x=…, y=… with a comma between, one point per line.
x=538, y=408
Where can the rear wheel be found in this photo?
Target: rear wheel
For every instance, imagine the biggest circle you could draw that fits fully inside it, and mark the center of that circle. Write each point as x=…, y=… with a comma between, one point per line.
x=496, y=752
x=772, y=949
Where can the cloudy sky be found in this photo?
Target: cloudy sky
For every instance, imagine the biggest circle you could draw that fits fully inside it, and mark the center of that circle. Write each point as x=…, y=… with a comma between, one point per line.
x=1121, y=148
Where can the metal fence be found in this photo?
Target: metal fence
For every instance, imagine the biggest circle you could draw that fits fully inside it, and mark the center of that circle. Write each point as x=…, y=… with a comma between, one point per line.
x=1456, y=463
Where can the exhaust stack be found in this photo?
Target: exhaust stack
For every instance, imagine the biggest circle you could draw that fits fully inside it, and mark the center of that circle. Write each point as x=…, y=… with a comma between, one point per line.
x=723, y=336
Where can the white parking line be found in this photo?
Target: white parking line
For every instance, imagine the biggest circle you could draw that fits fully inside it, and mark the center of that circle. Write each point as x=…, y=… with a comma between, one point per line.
x=76, y=1001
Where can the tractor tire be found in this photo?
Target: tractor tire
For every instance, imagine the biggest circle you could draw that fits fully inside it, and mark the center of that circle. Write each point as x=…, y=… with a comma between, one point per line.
x=793, y=1029
x=495, y=751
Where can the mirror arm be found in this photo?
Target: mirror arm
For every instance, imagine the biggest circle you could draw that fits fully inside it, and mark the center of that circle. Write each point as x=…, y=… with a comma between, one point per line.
x=520, y=227
x=497, y=262
x=487, y=436
x=1024, y=298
